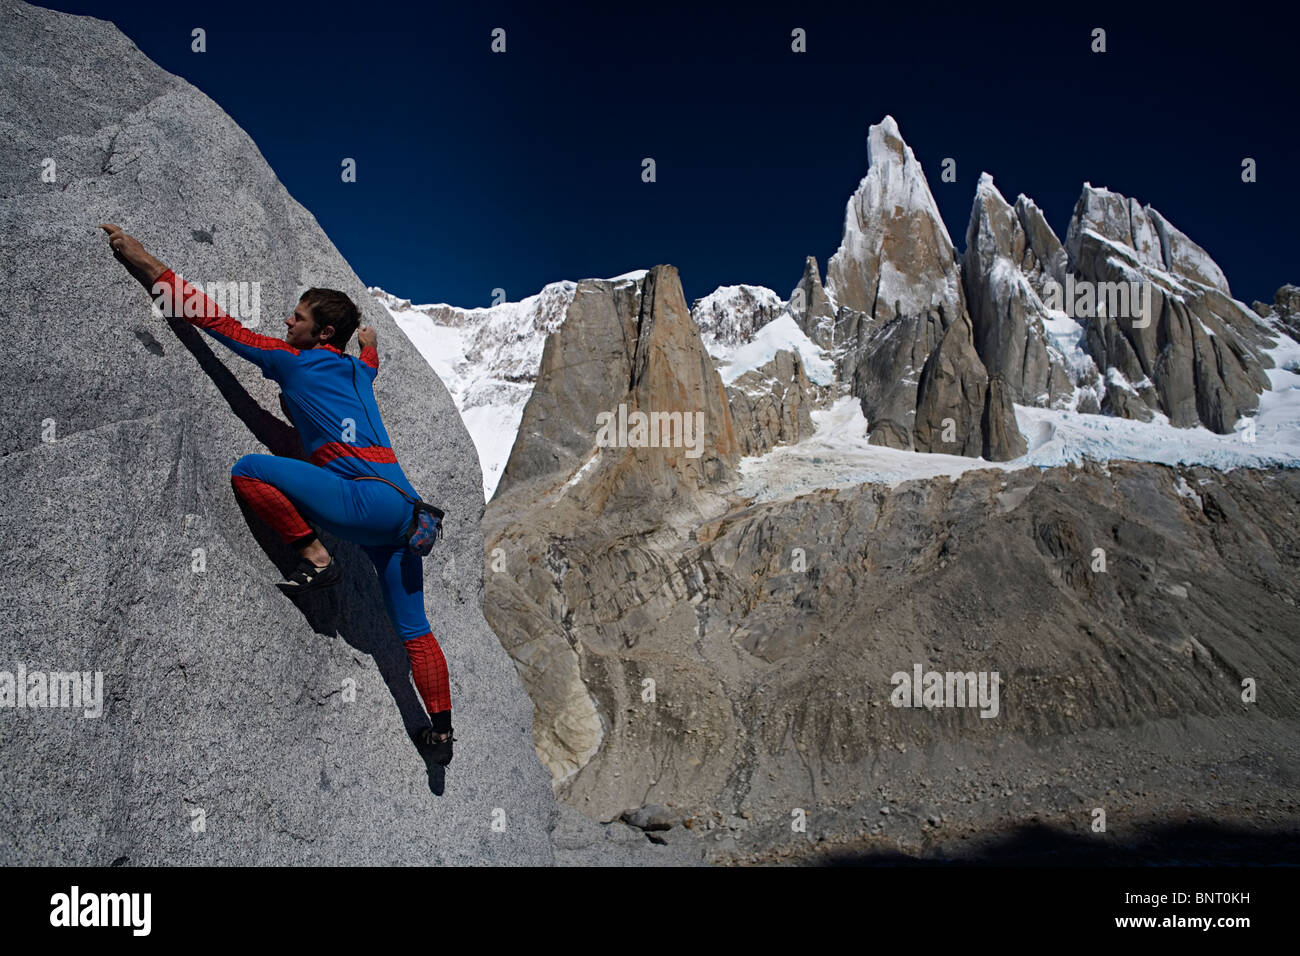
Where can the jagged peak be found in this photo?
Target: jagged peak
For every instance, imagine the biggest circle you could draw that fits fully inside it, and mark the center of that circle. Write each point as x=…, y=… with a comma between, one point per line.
x=812, y=273
x=986, y=191
x=1024, y=202
x=887, y=127
x=892, y=200
x=732, y=313
x=727, y=292
x=886, y=145
x=1143, y=228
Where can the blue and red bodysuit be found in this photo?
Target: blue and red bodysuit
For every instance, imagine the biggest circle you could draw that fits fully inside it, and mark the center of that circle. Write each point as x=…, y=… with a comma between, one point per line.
x=330, y=397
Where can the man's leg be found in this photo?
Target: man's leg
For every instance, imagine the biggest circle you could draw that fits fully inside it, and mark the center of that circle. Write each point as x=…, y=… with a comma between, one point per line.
x=288, y=492
x=401, y=578
x=316, y=569
x=283, y=490
x=273, y=507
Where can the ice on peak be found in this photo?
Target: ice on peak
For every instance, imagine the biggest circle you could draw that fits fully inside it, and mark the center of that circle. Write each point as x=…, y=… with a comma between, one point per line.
x=894, y=180
x=986, y=190
x=396, y=303
x=885, y=144
x=895, y=248
x=1158, y=243
x=887, y=126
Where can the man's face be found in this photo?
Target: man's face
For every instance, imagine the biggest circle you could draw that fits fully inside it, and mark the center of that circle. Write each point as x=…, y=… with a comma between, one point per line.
x=301, y=333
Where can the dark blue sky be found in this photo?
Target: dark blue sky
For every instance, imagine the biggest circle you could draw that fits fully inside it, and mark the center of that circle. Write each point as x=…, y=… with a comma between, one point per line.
x=478, y=170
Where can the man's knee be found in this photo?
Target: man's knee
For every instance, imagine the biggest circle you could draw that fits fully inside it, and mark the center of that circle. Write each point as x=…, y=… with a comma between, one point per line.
x=248, y=467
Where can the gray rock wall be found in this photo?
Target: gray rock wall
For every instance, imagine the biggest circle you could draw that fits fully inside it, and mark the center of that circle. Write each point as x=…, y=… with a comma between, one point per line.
x=1198, y=355
x=221, y=698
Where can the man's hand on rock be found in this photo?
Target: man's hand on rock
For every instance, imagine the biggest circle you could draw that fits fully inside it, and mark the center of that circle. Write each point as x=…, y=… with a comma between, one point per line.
x=367, y=337
x=130, y=253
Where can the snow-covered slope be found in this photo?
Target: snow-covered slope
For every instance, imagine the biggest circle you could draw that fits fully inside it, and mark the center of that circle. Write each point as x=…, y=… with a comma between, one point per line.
x=780, y=333
x=487, y=358
x=731, y=314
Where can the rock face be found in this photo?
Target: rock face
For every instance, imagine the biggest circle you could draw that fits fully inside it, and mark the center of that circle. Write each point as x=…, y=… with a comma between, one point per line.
x=811, y=308
x=124, y=550
x=951, y=396
x=627, y=347
x=1191, y=351
x=1000, y=444
x=770, y=405
x=707, y=667
x=1285, y=309
x=571, y=507
x=732, y=314
x=1010, y=253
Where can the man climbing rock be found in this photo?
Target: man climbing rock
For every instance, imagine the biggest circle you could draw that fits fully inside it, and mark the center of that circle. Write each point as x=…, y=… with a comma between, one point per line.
x=330, y=398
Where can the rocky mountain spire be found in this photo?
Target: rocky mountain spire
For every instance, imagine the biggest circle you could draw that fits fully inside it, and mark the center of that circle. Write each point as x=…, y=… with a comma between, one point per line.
x=811, y=308
x=1003, y=262
x=671, y=371
x=627, y=348
x=897, y=286
x=895, y=257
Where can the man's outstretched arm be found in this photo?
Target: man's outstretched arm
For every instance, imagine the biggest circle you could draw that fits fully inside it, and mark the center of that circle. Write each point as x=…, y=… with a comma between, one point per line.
x=196, y=308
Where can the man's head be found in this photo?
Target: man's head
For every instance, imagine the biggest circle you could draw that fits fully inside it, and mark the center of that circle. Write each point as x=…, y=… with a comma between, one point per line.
x=323, y=317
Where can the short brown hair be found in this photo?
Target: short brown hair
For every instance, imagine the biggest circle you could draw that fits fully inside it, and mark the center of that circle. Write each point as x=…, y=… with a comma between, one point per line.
x=332, y=307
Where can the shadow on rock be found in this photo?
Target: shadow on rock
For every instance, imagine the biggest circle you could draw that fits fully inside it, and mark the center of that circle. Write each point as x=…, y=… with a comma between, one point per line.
x=364, y=624
x=1187, y=844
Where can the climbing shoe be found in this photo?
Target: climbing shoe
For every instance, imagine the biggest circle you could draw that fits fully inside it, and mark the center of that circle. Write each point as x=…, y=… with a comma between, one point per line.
x=438, y=744
x=306, y=577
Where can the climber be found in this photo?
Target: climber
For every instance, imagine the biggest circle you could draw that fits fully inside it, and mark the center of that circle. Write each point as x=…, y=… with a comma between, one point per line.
x=338, y=421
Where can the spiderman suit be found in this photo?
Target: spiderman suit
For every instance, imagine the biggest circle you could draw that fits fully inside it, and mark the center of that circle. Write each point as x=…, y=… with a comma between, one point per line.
x=330, y=398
